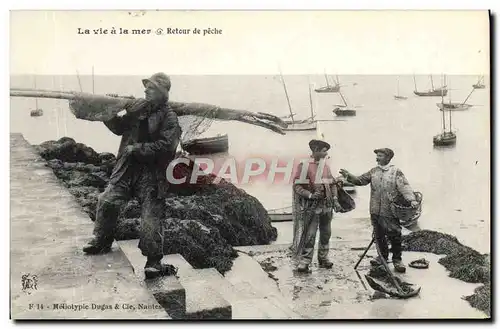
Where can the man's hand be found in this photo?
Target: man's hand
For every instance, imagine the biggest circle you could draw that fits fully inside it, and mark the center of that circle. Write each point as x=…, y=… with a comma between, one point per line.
x=131, y=149
x=135, y=105
x=414, y=204
x=345, y=173
x=316, y=195
x=336, y=205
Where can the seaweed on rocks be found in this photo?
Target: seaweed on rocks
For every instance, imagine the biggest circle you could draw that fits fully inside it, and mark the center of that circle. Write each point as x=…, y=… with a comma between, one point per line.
x=203, y=220
x=463, y=262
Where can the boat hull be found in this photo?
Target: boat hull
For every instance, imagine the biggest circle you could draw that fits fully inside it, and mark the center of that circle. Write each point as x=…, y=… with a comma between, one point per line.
x=301, y=126
x=211, y=145
x=445, y=139
x=36, y=113
x=453, y=106
x=400, y=97
x=478, y=86
x=328, y=89
x=344, y=113
x=431, y=93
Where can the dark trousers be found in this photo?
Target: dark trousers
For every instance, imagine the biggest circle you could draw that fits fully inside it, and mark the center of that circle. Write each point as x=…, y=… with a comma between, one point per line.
x=140, y=182
x=321, y=221
x=388, y=229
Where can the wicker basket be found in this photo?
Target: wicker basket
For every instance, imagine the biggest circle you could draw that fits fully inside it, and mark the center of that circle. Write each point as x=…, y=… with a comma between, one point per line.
x=407, y=215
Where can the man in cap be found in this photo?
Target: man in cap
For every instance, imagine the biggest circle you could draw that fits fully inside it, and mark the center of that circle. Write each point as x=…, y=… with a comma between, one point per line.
x=316, y=198
x=386, y=181
x=150, y=135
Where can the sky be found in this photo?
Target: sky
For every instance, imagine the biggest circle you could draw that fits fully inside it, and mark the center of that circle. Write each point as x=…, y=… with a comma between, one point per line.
x=252, y=42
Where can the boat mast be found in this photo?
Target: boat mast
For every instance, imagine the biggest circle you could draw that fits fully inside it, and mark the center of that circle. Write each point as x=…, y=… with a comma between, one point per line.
x=415, y=82
x=311, y=101
x=343, y=99
x=443, y=108
x=93, y=91
x=450, y=110
x=432, y=82
x=468, y=97
x=36, y=99
x=398, y=86
x=338, y=81
x=287, y=98
x=326, y=78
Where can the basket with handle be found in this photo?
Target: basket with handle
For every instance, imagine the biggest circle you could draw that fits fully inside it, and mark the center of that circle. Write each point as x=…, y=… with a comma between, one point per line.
x=408, y=215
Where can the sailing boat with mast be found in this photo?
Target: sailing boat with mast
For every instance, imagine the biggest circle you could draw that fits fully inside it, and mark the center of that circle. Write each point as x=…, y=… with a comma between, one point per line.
x=301, y=125
x=446, y=137
x=335, y=88
x=479, y=84
x=455, y=106
x=37, y=112
x=344, y=109
x=398, y=96
x=433, y=91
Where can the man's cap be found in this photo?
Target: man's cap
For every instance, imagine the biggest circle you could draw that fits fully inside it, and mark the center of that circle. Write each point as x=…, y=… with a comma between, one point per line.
x=159, y=80
x=317, y=144
x=386, y=151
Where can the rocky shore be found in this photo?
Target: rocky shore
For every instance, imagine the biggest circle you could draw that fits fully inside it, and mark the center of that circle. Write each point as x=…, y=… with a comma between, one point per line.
x=202, y=220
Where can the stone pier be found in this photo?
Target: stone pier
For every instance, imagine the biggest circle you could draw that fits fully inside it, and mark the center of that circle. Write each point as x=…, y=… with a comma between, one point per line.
x=50, y=277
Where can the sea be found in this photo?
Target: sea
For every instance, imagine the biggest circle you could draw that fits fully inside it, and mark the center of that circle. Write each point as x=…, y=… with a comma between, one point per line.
x=455, y=181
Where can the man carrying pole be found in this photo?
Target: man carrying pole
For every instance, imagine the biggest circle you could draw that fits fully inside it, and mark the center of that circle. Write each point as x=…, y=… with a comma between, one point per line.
x=150, y=135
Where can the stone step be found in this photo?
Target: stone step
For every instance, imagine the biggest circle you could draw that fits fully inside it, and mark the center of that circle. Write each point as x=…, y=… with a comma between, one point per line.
x=203, y=300
x=167, y=290
x=246, y=301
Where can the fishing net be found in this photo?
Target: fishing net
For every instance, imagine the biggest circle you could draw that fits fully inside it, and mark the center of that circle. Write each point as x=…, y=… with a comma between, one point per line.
x=194, y=126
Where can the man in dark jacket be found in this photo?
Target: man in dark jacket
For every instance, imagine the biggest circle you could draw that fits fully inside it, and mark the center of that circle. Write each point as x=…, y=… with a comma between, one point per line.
x=150, y=135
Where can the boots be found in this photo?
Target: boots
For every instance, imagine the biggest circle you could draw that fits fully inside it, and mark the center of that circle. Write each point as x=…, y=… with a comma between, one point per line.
x=155, y=268
x=303, y=268
x=399, y=266
x=93, y=247
x=325, y=263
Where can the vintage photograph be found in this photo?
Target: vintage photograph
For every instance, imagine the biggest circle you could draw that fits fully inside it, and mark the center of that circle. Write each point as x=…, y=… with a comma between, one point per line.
x=248, y=165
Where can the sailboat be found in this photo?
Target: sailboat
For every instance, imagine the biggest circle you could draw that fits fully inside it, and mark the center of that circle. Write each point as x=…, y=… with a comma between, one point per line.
x=37, y=112
x=329, y=88
x=301, y=125
x=479, y=84
x=445, y=138
x=398, y=96
x=432, y=92
x=343, y=109
x=454, y=106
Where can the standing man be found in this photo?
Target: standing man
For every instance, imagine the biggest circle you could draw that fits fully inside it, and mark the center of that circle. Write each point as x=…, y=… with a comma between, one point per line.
x=386, y=181
x=316, y=198
x=150, y=135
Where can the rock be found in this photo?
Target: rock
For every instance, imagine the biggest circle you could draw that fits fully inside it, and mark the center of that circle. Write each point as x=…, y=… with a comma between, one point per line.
x=202, y=220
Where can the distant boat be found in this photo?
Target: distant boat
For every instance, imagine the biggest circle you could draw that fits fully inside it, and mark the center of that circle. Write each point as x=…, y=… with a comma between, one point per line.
x=343, y=109
x=329, y=88
x=210, y=145
x=37, y=112
x=398, y=96
x=299, y=125
x=479, y=84
x=446, y=137
x=433, y=92
x=454, y=106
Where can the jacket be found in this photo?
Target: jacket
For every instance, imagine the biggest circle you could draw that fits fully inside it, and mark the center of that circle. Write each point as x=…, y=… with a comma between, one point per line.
x=163, y=137
x=311, y=187
x=386, y=182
